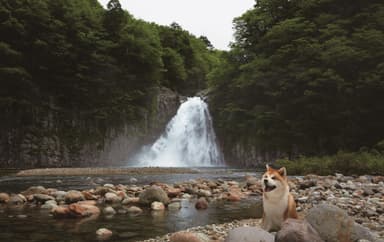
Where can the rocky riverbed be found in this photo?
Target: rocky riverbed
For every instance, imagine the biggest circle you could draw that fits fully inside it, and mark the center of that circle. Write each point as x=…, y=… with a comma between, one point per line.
x=361, y=197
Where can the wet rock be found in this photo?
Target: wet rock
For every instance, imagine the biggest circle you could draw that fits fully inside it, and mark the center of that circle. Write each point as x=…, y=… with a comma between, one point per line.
x=201, y=203
x=204, y=193
x=35, y=190
x=61, y=212
x=173, y=192
x=249, y=234
x=83, y=210
x=153, y=194
x=294, y=230
x=157, y=206
x=109, y=210
x=174, y=206
x=233, y=197
x=134, y=209
x=130, y=200
x=42, y=198
x=73, y=196
x=103, y=234
x=4, y=197
x=17, y=199
x=307, y=184
x=102, y=190
x=59, y=195
x=189, y=236
x=50, y=204
x=112, y=198
x=89, y=196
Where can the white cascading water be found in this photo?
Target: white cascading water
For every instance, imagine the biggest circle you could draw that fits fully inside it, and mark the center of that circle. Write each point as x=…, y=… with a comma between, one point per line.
x=189, y=140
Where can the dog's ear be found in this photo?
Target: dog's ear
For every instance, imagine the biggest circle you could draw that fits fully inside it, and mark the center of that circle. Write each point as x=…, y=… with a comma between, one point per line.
x=283, y=172
x=268, y=167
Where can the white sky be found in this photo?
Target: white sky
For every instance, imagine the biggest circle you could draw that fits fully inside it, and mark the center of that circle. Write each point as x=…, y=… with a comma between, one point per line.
x=211, y=18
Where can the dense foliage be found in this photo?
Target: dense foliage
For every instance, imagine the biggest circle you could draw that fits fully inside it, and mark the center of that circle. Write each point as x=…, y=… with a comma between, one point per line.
x=75, y=69
x=303, y=77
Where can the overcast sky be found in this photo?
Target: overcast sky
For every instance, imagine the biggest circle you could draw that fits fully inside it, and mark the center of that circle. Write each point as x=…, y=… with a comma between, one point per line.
x=211, y=18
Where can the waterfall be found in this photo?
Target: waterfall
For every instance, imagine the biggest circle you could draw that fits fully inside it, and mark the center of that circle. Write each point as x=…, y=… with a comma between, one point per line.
x=188, y=140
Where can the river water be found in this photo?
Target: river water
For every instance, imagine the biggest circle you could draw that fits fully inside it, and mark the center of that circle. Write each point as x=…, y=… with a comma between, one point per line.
x=32, y=224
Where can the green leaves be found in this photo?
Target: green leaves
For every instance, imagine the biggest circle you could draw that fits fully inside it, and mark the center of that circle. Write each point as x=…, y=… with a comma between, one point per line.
x=313, y=67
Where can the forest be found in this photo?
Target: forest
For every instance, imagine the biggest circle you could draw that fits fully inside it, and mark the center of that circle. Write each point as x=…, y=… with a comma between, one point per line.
x=303, y=77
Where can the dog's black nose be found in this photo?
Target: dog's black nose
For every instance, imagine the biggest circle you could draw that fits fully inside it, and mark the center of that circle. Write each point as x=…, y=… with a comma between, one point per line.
x=265, y=181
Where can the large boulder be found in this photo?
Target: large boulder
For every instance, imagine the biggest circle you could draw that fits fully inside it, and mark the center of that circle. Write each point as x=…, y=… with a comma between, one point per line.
x=153, y=194
x=334, y=225
x=295, y=230
x=249, y=234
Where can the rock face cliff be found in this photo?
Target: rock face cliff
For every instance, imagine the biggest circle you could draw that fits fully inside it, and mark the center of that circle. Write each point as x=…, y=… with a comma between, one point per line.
x=44, y=146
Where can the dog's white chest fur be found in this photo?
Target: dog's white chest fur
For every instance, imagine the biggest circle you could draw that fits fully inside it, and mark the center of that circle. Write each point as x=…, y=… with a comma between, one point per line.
x=275, y=205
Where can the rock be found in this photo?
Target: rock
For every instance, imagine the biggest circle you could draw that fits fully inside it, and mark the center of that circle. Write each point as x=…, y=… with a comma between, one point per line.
x=204, y=193
x=17, y=199
x=377, y=179
x=233, y=197
x=307, y=184
x=4, y=197
x=50, y=204
x=201, y=203
x=59, y=195
x=112, y=198
x=73, y=196
x=294, y=230
x=153, y=194
x=333, y=224
x=109, y=210
x=189, y=236
x=174, y=206
x=61, y=212
x=157, y=206
x=173, y=192
x=89, y=196
x=35, y=190
x=249, y=234
x=102, y=190
x=103, y=234
x=132, y=180
x=42, y=198
x=130, y=200
x=362, y=233
x=134, y=209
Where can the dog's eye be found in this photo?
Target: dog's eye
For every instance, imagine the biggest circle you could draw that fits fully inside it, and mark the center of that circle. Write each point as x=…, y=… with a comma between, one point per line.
x=273, y=178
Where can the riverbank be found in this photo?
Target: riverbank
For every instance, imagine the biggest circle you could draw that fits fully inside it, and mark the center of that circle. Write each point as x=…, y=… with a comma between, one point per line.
x=361, y=197
x=104, y=171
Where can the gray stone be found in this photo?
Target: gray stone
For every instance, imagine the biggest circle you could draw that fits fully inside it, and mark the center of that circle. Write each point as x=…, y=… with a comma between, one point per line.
x=109, y=211
x=295, y=230
x=153, y=194
x=249, y=234
x=334, y=225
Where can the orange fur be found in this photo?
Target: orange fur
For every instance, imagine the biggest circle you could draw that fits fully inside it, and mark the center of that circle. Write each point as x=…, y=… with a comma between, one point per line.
x=278, y=203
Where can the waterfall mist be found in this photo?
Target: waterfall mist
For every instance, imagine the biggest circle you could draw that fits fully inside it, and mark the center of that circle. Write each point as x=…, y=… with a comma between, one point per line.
x=189, y=140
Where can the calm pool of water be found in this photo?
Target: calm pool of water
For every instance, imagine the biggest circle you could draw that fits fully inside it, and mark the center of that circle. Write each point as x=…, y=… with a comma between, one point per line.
x=32, y=224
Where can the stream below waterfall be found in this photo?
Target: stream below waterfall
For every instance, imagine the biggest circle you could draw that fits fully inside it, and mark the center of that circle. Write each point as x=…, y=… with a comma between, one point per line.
x=31, y=224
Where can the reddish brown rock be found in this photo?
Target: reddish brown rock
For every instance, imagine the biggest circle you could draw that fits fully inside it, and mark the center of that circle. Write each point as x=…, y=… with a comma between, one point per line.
x=4, y=197
x=201, y=203
x=188, y=237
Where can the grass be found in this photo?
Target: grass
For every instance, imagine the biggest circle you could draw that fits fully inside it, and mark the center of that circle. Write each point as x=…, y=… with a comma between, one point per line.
x=347, y=163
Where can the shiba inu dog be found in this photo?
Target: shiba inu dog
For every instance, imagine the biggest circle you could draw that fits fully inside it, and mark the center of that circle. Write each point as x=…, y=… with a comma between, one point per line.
x=278, y=203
